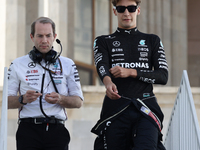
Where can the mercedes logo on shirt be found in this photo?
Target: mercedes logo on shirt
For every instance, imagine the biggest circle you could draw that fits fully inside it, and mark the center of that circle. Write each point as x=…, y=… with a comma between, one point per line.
x=31, y=65
x=116, y=43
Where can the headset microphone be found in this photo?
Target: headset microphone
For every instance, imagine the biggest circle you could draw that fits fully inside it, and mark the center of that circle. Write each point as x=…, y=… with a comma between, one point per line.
x=41, y=107
x=58, y=41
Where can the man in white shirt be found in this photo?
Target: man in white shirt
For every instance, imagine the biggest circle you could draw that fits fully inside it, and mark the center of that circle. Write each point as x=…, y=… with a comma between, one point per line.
x=47, y=83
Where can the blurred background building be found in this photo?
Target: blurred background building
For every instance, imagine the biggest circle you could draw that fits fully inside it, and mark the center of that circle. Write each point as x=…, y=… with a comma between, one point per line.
x=78, y=22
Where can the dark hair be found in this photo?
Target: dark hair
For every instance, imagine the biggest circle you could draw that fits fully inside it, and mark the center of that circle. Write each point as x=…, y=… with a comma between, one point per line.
x=43, y=20
x=114, y=2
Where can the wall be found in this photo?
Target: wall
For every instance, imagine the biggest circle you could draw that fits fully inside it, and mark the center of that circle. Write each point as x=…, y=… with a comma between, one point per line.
x=194, y=42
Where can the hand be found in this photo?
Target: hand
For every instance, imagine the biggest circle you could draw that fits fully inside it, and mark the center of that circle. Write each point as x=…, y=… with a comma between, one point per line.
x=30, y=96
x=53, y=98
x=111, y=89
x=119, y=72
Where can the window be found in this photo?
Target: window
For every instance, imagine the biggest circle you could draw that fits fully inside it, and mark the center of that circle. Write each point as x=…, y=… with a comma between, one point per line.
x=92, y=18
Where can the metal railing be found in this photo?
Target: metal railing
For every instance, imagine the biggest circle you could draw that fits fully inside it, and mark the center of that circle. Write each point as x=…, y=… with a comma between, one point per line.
x=183, y=130
x=4, y=120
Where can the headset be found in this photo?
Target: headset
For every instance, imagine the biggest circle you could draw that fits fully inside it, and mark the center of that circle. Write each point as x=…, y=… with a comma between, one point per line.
x=50, y=57
x=36, y=56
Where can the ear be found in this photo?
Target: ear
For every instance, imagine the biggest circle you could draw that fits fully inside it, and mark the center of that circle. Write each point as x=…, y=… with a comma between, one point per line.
x=32, y=38
x=55, y=36
x=138, y=11
x=115, y=11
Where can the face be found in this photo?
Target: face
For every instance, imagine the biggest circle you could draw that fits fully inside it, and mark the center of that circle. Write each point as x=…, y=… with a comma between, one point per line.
x=43, y=38
x=127, y=20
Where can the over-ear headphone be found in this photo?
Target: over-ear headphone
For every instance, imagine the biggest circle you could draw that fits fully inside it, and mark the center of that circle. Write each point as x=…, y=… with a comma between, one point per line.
x=50, y=57
x=37, y=56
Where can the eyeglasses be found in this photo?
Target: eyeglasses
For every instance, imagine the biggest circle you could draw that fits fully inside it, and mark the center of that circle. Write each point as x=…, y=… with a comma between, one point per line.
x=121, y=9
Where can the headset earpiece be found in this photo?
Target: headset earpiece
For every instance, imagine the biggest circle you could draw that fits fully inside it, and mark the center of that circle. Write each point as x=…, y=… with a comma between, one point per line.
x=51, y=56
x=35, y=55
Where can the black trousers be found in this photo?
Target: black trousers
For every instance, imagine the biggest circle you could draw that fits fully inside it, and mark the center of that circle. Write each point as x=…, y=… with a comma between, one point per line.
x=32, y=136
x=130, y=131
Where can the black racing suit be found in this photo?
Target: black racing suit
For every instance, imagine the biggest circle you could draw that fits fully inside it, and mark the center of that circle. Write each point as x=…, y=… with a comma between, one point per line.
x=135, y=50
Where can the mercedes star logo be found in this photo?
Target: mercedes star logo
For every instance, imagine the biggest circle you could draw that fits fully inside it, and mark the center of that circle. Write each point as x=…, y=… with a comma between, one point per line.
x=31, y=65
x=116, y=43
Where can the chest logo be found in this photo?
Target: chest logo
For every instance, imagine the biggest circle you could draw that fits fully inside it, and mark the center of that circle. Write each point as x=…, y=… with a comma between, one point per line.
x=142, y=42
x=31, y=65
x=116, y=43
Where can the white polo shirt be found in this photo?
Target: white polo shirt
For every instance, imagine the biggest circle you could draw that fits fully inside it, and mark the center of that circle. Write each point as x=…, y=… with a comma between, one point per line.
x=24, y=74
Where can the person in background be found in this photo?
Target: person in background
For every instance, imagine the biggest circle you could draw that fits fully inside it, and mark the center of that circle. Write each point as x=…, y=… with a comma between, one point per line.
x=47, y=83
x=128, y=63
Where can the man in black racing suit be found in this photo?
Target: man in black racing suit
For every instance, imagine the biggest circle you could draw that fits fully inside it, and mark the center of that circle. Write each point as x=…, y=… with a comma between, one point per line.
x=128, y=63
